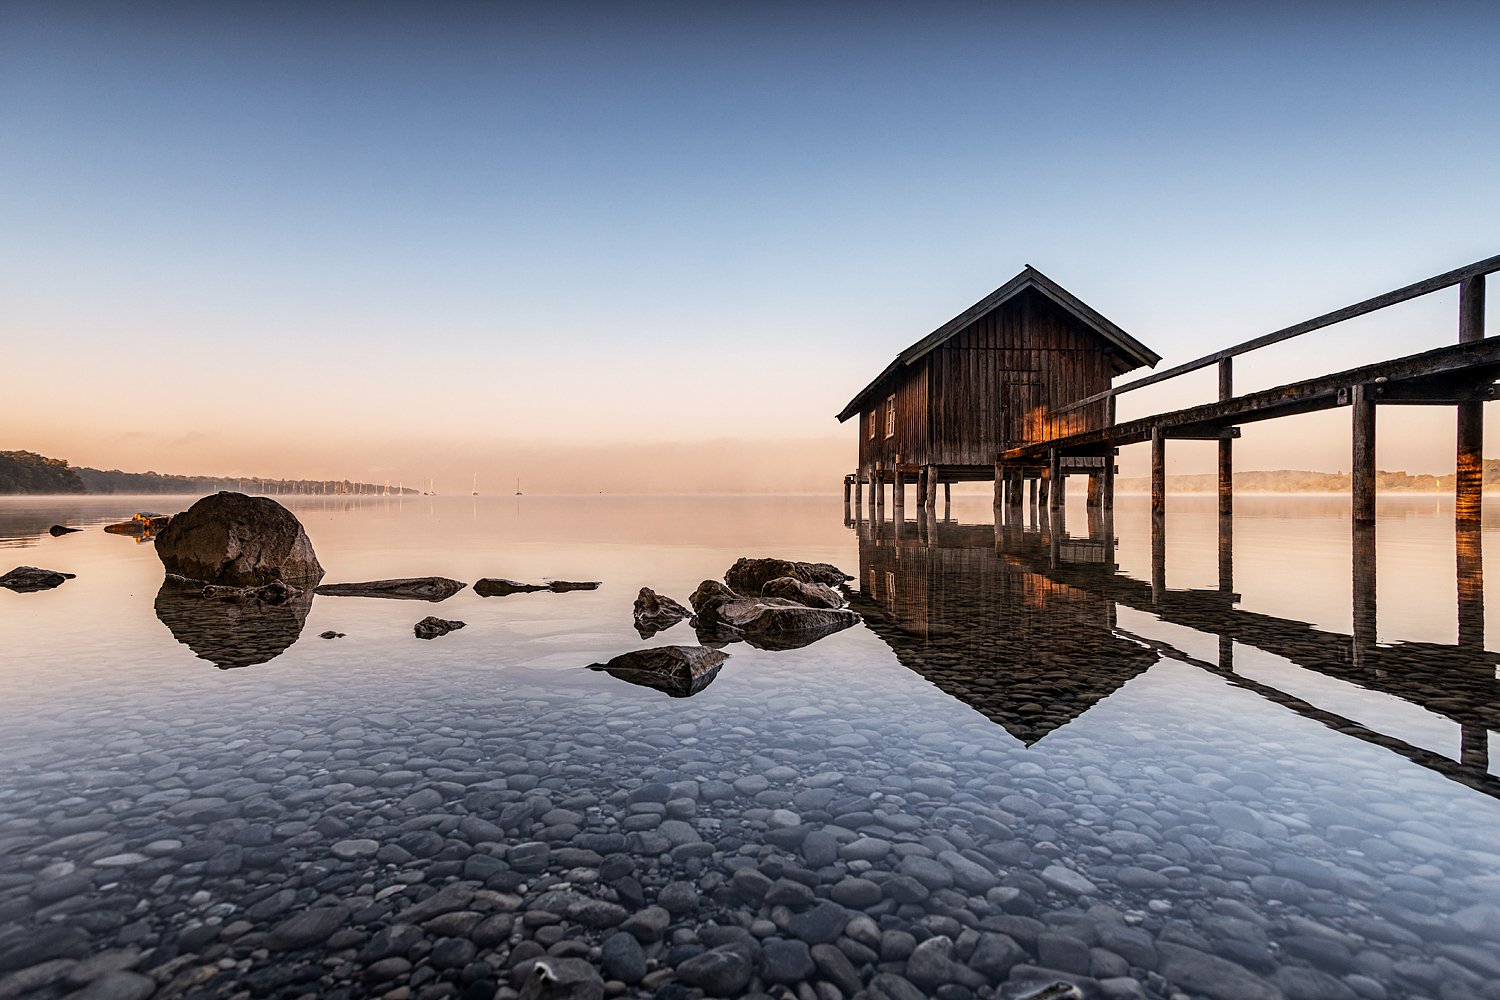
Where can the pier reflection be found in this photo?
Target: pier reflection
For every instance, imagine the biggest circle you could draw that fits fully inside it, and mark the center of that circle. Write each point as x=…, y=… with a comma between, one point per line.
x=1018, y=620
x=231, y=633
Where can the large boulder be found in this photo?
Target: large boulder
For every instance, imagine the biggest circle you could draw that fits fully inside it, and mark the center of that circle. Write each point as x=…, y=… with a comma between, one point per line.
x=773, y=623
x=748, y=576
x=709, y=597
x=680, y=671
x=238, y=541
x=654, y=612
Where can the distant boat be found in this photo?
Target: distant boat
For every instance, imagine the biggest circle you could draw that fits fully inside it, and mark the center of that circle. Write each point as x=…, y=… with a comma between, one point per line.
x=518, y=486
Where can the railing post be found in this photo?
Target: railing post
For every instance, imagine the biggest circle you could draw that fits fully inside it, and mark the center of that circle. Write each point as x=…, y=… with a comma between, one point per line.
x=1226, y=445
x=1362, y=471
x=1469, y=482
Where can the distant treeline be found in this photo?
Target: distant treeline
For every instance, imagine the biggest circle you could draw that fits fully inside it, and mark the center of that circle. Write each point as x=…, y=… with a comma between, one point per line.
x=27, y=472
x=1300, y=481
x=115, y=481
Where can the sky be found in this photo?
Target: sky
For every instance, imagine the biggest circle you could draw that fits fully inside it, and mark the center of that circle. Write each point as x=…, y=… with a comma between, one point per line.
x=655, y=247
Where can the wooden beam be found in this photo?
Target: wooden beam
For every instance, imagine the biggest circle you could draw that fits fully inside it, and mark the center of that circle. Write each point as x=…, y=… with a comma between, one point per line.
x=1479, y=361
x=1363, y=465
x=1420, y=288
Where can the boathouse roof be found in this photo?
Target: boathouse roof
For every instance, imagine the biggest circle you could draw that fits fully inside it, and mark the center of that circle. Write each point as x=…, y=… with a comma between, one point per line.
x=1132, y=353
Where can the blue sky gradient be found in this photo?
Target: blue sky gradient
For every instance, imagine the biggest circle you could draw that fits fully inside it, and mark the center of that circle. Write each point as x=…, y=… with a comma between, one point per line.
x=552, y=227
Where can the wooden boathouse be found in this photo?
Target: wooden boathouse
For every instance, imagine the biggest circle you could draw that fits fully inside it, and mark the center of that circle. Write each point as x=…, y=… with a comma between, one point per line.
x=991, y=380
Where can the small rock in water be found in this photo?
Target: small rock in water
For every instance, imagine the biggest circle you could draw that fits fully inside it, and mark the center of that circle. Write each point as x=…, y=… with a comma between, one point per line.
x=431, y=627
x=492, y=586
x=653, y=612
x=330, y=634
x=680, y=671
x=812, y=595
x=58, y=529
x=274, y=592
x=29, y=579
x=563, y=586
x=420, y=588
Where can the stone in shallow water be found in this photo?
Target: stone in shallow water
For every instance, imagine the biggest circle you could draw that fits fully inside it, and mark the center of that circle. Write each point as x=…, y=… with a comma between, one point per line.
x=787, y=962
x=431, y=627
x=1068, y=880
x=726, y=970
x=307, y=928
x=624, y=959
x=30, y=579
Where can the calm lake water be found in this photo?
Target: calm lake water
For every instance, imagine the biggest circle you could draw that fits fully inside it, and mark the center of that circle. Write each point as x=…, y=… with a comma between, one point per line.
x=1158, y=763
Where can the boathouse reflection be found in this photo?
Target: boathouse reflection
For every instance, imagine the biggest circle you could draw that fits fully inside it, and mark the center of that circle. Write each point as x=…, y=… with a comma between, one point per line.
x=1018, y=620
x=969, y=608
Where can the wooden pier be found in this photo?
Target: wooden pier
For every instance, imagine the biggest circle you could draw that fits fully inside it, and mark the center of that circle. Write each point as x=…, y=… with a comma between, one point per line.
x=1019, y=370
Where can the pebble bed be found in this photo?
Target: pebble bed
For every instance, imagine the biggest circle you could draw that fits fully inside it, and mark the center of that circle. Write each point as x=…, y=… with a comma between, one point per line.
x=783, y=833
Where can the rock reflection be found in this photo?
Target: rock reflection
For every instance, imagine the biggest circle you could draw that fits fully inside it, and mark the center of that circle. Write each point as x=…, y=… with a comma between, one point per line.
x=230, y=633
x=970, y=608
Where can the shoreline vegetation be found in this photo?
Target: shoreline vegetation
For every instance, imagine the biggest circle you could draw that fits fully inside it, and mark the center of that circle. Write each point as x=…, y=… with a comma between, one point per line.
x=24, y=472
x=27, y=473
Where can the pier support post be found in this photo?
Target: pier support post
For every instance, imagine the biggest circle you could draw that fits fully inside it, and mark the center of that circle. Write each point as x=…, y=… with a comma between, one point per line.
x=1032, y=484
x=1017, y=489
x=1107, y=486
x=921, y=488
x=1158, y=557
x=932, y=488
x=999, y=485
x=848, y=482
x=1093, y=497
x=1226, y=445
x=1468, y=487
x=1470, y=588
x=877, y=493
x=1362, y=470
x=1055, y=480
x=1364, y=591
x=898, y=490
x=1158, y=472
x=1044, y=486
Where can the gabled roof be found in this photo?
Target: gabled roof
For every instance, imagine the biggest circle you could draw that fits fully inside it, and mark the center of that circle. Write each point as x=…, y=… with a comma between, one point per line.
x=1129, y=348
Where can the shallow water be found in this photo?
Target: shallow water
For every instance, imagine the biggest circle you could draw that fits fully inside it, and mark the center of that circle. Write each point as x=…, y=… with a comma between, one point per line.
x=1223, y=777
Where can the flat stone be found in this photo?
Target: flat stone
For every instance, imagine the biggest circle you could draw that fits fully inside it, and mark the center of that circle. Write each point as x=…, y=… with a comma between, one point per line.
x=307, y=928
x=118, y=985
x=349, y=850
x=1068, y=880
x=624, y=959
x=787, y=962
x=820, y=925
x=1212, y=976
x=726, y=970
x=856, y=893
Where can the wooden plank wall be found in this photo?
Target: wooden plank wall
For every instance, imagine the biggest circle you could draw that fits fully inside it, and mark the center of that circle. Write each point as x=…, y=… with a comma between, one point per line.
x=992, y=386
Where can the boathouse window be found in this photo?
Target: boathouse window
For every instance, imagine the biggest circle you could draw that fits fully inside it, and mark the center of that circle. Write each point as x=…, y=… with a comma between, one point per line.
x=872, y=425
x=890, y=417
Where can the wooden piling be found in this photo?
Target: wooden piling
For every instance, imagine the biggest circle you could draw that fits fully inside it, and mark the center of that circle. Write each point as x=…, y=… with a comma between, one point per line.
x=1158, y=471
x=848, y=480
x=1226, y=445
x=898, y=489
x=1055, y=479
x=1043, y=486
x=1469, y=485
x=922, y=488
x=1093, y=497
x=1363, y=467
x=1017, y=487
x=1107, y=486
x=932, y=487
x=1364, y=617
x=1470, y=587
x=999, y=485
x=1158, y=557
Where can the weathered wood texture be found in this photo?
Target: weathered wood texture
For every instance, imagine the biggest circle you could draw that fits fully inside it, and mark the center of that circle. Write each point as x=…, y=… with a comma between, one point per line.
x=991, y=386
x=1468, y=486
x=1362, y=470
